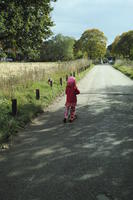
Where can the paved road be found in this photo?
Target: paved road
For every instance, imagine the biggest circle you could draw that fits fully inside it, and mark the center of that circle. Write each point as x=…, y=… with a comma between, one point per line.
x=90, y=159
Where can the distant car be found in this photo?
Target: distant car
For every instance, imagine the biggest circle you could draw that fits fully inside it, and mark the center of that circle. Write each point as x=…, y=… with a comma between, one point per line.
x=111, y=62
x=9, y=59
x=6, y=59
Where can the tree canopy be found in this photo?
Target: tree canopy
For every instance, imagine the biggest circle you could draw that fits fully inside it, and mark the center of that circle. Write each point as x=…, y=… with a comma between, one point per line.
x=24, y=25
x=123, y=45
x=92, y=43
x=57, y=48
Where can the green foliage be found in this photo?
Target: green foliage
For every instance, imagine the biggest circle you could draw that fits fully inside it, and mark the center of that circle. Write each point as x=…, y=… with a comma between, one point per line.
x=114, y=47
x=78, y=53
x=123, y=45
x=24, y=25
x=92, y=43
x=58, y=48
x=108, y=52
x=2, y=53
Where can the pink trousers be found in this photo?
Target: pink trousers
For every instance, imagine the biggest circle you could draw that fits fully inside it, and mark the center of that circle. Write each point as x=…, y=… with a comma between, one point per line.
x=70, y=109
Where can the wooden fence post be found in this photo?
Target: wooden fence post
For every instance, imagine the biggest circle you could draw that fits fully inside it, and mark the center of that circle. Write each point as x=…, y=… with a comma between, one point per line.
x=14, y=107
x=51, y=83
x=37, y=94
x=61, y=81
x=66, y=77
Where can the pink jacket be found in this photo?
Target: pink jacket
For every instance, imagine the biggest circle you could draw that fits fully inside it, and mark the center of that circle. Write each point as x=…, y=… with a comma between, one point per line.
x=71, y=95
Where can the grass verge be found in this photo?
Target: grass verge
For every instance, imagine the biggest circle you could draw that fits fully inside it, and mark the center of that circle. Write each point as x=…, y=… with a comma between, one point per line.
x=127, y=70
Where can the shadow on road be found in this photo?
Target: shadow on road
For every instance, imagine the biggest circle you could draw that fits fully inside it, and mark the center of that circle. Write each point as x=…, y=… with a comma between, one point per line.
x=74, y=161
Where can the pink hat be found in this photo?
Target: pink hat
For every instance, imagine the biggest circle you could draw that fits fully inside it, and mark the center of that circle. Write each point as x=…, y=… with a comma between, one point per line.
x=71, y=81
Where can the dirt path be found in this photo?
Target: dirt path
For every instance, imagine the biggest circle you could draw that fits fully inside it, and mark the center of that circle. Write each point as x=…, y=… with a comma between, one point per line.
x=90, y=159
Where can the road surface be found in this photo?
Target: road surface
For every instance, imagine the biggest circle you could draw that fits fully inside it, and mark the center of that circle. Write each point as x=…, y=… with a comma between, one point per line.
x=89, y=159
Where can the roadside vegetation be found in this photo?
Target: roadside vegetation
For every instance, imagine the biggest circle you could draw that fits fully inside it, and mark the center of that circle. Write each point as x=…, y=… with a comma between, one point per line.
x=23, y=89
x=122, y=46
x=121, y=50
x=125, y=66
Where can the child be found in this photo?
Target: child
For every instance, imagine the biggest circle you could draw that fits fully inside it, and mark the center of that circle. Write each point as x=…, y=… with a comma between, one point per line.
x=71, y=98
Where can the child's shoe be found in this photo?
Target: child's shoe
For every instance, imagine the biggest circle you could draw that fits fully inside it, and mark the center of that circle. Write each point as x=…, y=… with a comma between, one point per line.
x=70, y=120
x=64, y=120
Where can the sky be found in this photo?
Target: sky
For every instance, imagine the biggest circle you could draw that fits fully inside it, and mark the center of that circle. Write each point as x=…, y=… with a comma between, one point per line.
x=73, y=17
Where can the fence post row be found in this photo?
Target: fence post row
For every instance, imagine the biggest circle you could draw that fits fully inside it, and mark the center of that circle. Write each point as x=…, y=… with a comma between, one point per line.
x=14, y=107
x=14, y=101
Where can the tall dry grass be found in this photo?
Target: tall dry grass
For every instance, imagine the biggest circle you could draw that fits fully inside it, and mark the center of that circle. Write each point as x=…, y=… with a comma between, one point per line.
x=13, y=74
x=8, y=69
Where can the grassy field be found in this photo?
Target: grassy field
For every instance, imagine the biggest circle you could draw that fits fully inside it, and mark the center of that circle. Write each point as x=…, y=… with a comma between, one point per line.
x=9, y=69
x=23, y=89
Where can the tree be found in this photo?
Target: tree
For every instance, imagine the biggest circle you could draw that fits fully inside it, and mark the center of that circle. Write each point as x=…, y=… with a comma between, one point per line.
x=78, y=50
x=24, y=25
x=108, y=51
x=114, y=46
x=93, y=42
x=57, y=48
x=123, y=45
